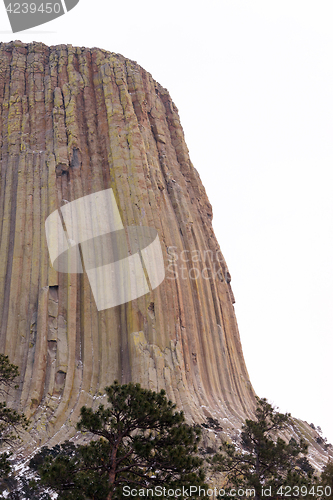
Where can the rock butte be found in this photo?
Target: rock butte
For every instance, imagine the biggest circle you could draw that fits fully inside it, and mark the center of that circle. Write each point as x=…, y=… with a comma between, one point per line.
x=74, y=121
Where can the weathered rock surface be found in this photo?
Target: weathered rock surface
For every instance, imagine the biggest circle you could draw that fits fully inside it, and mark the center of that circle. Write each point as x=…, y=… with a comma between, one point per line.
x=74, y=121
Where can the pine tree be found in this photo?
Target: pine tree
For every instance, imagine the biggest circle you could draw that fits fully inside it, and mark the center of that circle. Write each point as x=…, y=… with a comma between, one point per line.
x=142, y=442
x=265, y=461
x=326, y=479
x=11, y=421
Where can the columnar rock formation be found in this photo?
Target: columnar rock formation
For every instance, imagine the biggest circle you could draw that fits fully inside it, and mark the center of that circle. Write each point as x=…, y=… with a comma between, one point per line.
x=74, y=121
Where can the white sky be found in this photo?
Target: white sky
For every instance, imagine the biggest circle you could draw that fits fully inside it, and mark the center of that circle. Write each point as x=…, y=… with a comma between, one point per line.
x=253, y=82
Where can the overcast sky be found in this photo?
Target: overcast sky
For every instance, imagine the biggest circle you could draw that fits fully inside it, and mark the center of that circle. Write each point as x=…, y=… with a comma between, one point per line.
x=253, y=82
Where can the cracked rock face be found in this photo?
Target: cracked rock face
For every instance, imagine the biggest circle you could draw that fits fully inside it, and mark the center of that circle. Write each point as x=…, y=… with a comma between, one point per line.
x=75, y=121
